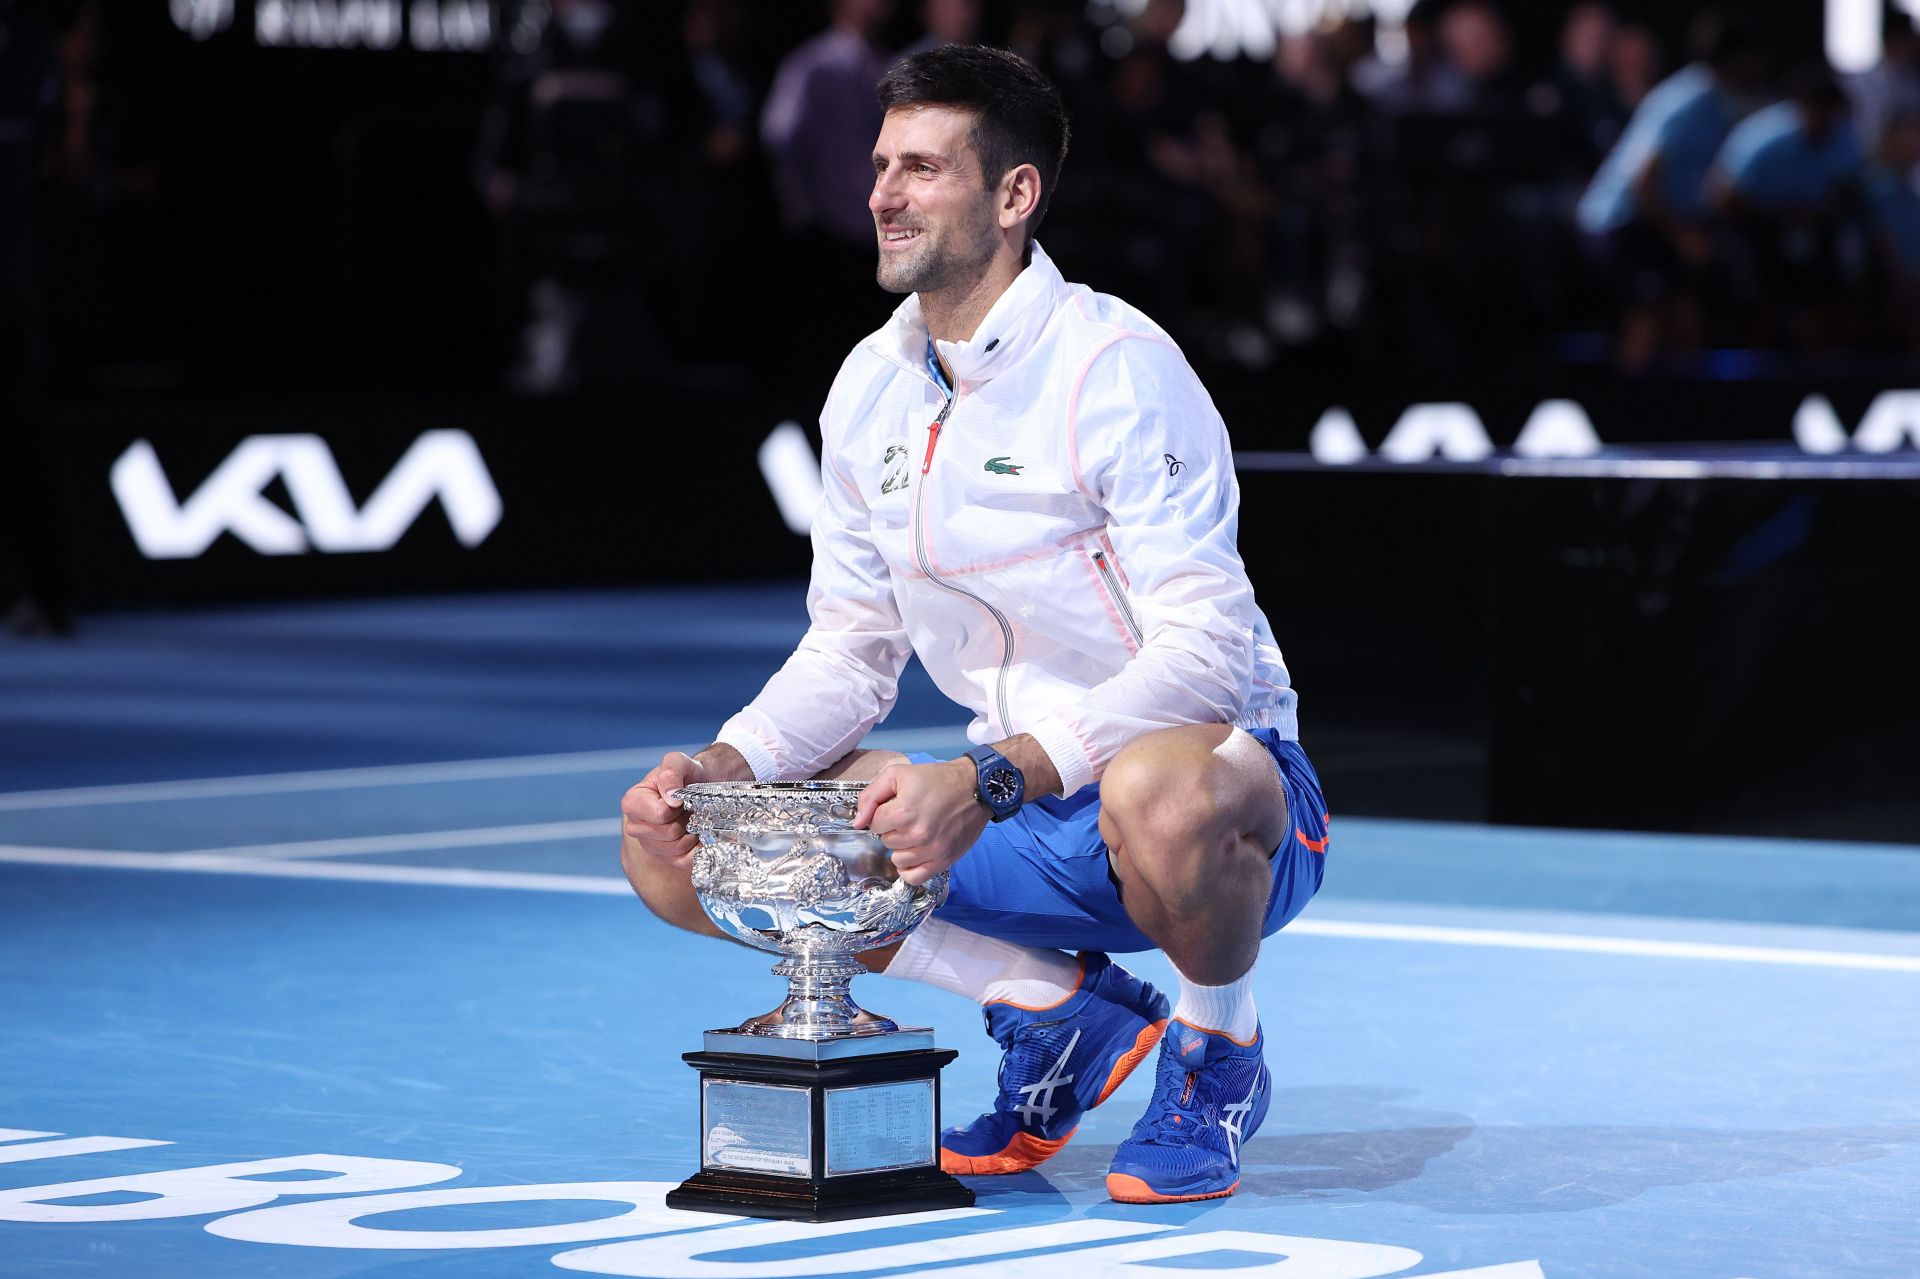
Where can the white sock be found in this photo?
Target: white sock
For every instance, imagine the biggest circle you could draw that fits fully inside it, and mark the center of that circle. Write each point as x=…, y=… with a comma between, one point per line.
x=1226, y=1010
x=984, y=969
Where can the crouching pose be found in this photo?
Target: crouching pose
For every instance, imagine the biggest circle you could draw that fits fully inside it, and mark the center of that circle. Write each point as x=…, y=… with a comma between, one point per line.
x=1027, y=487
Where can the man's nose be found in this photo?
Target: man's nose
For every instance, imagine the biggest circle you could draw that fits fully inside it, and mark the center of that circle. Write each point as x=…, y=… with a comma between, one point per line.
x=886, y=194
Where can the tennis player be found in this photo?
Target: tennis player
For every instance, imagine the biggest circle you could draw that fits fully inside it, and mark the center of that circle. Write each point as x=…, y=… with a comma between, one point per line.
x=1027, y=486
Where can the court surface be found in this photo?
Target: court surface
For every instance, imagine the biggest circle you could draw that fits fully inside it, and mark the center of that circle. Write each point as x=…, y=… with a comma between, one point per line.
x=329, y=892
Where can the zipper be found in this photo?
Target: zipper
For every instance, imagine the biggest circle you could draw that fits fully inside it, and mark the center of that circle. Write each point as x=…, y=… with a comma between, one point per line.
x=1112, y=580
x=920, y=555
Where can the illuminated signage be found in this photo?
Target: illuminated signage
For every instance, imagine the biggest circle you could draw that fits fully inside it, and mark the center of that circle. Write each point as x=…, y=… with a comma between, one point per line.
x=431, y=26
x=443, y=465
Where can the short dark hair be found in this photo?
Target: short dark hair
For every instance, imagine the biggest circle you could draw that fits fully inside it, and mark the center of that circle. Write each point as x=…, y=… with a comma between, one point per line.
x=1019, y=117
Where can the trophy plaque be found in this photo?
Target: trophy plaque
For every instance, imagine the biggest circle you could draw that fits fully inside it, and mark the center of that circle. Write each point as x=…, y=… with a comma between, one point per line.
x=818, y=1110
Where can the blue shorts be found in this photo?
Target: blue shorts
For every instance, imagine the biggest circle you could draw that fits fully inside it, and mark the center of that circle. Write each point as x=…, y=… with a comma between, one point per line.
x=1040, y=877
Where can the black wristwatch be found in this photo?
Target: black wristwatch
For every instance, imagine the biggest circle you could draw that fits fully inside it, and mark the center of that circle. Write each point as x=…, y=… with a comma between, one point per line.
x=999, y=785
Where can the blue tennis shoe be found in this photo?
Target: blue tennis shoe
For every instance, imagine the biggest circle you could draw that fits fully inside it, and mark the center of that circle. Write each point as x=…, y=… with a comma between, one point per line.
x=1059, y=1063
x=1209, y=1095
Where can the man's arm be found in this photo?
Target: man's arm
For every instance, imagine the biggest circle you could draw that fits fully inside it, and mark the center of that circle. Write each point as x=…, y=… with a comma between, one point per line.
x=1173, y=529
x=844, y=675
x=1155, y=455
x=841, y=679
x=929, y=814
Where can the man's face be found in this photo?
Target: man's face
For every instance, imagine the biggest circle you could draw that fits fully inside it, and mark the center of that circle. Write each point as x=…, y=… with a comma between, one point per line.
x=932, y=211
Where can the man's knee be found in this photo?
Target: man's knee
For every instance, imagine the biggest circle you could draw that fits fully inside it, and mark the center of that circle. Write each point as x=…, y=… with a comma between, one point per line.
x=1192, y=790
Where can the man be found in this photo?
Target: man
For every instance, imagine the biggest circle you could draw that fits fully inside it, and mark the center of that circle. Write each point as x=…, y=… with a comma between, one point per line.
x=1787, y=182
x=816, y=130
x=1027, y=486
x=1892, y=203
x=1646, y=209
x=818, y=118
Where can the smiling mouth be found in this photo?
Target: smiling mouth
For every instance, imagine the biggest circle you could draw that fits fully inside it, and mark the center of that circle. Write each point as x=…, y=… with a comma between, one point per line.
x=899, y=236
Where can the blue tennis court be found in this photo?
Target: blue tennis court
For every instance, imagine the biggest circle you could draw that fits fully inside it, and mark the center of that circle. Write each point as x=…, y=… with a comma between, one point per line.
x=315, y=960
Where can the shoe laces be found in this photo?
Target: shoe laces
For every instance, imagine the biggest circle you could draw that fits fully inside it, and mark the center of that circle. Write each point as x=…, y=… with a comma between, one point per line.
x=1175, y=1117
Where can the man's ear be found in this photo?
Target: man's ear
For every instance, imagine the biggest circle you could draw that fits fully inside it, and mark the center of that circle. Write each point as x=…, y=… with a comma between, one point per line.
x=1019, y=196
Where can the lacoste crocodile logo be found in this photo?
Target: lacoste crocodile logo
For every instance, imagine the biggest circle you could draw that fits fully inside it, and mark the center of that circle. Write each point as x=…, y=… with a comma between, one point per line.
x=1001, y=466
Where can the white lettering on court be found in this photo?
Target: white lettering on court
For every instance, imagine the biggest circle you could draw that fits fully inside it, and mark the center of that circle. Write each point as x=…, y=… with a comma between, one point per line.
x=336, y=1223
x=688, y=1256
x=191, y=1192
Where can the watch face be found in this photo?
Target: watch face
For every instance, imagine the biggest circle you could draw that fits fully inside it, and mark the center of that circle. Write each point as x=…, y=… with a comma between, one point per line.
x=1001, y=786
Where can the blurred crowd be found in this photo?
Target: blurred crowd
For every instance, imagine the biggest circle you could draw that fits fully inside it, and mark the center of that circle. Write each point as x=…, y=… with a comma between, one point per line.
x=1433, y=198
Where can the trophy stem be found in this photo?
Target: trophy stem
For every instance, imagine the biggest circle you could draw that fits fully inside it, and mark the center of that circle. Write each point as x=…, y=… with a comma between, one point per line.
x=818, y=1004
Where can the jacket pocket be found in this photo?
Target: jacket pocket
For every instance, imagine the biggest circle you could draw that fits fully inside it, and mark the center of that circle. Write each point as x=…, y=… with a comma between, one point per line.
x=1109, y=578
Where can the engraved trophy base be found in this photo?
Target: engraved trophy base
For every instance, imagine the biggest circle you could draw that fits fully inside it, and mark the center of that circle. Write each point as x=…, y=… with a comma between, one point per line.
x=820, y=1130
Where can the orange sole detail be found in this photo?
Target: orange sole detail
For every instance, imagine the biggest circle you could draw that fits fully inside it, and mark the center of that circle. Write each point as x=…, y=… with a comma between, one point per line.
x=1022, y=1153
x=1025, y=1152
x=1143, y=1045
x=1127, y=1189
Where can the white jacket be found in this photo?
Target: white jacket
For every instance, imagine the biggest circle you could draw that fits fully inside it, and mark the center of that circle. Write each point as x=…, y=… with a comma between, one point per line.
x=1057, y=544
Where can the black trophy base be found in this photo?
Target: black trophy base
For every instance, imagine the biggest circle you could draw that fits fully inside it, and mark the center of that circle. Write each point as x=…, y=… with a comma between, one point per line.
x=809, y=1116
x=749, y=1194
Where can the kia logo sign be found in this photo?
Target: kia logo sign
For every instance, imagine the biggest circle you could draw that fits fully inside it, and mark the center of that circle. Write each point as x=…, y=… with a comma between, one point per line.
x=443, y=465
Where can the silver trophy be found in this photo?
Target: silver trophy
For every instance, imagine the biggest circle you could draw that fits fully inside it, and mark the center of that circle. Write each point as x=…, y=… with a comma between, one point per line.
x=782, y=867
x=817, y=1110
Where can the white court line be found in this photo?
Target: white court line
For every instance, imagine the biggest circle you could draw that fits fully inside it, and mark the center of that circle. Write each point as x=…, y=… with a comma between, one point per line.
x=219, y=864
x=1652, y=948
x=421, y=841
x=638, y=759
x=1644, y=946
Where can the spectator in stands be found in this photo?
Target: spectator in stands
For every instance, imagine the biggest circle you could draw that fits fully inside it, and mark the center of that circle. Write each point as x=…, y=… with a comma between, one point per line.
x=820, y=121
x=946, y=22
x=1892, y=87
x=1583, y=87
x=1307, y=144
x=1634, y=65
x=1645, y=211
x=576, y=155
x=1892, y=204
x=725, y=208
x=1478, y=45
x=1786, y=180
x=32, y=585
x=818, y=129
x=1422, y=80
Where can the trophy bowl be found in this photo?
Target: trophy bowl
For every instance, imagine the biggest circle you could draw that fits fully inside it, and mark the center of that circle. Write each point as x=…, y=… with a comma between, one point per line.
x=781, y=867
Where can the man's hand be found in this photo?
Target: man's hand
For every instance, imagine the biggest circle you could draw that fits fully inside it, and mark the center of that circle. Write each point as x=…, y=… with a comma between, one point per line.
x=653, y=816
x=926, y=814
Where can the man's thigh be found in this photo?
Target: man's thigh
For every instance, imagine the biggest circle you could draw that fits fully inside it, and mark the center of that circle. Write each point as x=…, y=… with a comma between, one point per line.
x=1042, y=877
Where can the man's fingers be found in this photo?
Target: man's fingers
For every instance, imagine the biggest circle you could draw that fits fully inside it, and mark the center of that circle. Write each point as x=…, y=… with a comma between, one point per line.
x=919, y=872
x=877, y=792
x=667, y=781
x=675, y=851
x=646, y=805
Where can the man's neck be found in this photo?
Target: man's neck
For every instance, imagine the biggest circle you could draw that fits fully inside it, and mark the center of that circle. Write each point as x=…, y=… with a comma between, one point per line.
x=952, y=315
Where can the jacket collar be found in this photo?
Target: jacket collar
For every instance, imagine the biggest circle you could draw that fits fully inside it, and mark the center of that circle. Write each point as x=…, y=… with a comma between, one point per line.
x=1006, y=333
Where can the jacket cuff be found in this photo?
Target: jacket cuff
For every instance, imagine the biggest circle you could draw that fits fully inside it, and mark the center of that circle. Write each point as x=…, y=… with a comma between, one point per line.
x=740, y=734
x=1063, y=747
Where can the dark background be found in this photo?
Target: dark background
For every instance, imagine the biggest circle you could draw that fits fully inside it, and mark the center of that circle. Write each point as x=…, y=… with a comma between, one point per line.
x=221, y=240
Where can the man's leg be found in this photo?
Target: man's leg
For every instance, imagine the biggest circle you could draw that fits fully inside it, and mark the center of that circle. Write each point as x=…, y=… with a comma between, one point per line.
x=1192, y=817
